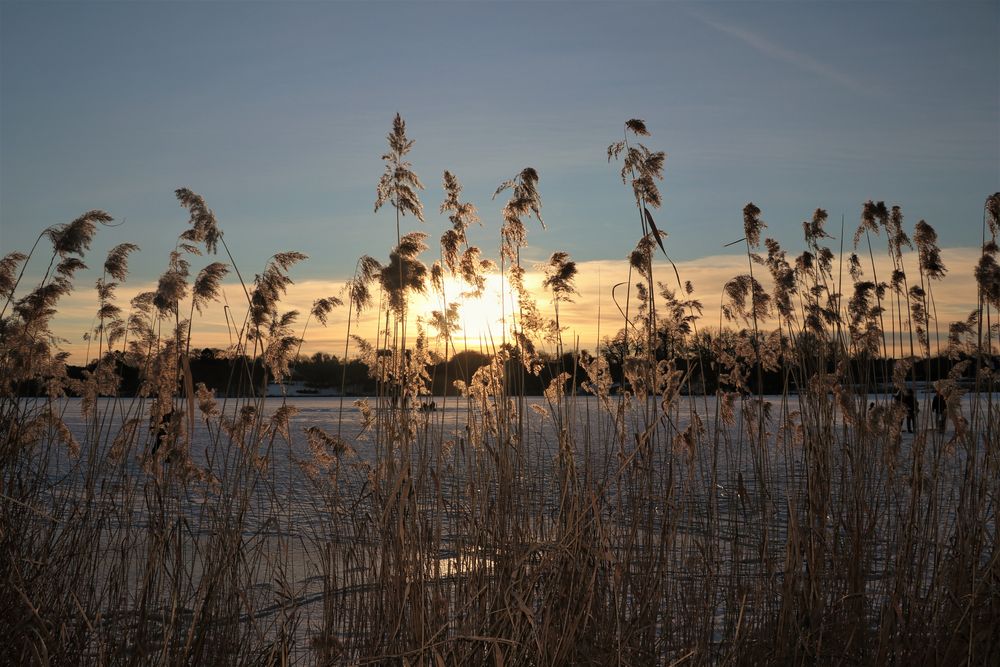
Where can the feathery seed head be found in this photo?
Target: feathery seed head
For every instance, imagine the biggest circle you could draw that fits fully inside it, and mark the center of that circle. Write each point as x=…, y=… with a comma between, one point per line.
x=208, y=284
x=637, y=127
x=854, y=264
x=814, y=228
x=559, y=275
x=116, y=264
x=752, y=224
x=170, y=290
x=992, y=209
x=928, y=252
x=69, y=266
x=8, y=267
x=321, y=308
x=74, y=238
x=399, y=184
x=204, y=227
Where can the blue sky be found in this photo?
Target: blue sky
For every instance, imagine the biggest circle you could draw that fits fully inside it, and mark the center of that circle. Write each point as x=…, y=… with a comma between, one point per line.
x=276, y=112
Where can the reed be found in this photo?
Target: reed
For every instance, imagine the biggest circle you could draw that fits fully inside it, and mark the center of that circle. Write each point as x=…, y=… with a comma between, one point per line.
x=742, y=499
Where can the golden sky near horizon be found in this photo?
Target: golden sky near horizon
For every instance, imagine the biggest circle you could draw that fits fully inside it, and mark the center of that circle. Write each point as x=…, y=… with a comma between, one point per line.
x=590, y=317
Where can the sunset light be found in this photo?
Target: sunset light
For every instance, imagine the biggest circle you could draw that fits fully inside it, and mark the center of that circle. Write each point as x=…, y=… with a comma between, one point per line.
x=480, y=323
x=499, y=333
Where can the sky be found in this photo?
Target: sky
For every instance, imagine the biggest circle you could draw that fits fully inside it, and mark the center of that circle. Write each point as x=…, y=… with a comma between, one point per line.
x=276, y=113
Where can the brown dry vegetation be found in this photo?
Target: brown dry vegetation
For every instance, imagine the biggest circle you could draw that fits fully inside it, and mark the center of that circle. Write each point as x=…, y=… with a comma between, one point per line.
x=638, y=528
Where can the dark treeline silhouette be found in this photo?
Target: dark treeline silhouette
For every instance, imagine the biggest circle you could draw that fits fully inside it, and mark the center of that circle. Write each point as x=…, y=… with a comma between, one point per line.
x=241, y=376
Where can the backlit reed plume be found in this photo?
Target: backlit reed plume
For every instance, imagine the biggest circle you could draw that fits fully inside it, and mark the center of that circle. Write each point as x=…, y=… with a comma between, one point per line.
x=874, y=216
x=931, y=269
x=752, y=224
x=863, y=312
x=896, y=240
x=70, y=242
x=643, y=168
x=524, y=201
x=109, y=313
x=268, y=288
x=405, y=272
x=8, y=268
x=783, y=277
x=987, y=270
x=358, y=292
x=399, y=184
x=457, y=255
x=640, y=165
x=445, y=322
x=172, y=286
x=988, y=277
x=322, y=308
x=560, y=272
x=746, y=299
x=204, y=227
x=560, y=275
x=326, y=449
x=208, y=284
x=74, y=238
x=929, y=254
x=461, y=215
x=814, y=269
x=991, y=210
x=854, y=266
x=473, y=269
x=116, y=264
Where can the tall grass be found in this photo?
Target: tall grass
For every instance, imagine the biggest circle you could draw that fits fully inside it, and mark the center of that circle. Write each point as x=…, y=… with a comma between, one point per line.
x=687, y=518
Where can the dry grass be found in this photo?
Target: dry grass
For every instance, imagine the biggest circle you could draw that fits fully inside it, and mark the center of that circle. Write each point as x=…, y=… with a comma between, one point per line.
x=644, y=527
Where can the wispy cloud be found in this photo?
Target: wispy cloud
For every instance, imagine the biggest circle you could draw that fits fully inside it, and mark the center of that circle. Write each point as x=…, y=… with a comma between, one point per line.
x=770, y=48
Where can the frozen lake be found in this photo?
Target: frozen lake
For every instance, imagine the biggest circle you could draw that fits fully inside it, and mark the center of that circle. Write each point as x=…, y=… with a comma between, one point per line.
x=724, y=488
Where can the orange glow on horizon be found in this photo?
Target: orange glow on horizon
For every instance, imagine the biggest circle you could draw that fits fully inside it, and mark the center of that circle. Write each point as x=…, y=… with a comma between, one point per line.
x=591, y=316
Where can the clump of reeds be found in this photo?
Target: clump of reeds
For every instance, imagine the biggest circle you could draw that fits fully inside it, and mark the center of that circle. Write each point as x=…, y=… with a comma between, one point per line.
x=747, y=496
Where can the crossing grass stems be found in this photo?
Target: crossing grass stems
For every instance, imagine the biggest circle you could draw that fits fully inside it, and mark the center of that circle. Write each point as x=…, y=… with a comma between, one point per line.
x=673, y=522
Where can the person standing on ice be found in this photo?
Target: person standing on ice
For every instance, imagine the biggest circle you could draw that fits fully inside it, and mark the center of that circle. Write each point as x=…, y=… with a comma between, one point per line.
x=940, y=408
x=910, y=403
x=906, y=399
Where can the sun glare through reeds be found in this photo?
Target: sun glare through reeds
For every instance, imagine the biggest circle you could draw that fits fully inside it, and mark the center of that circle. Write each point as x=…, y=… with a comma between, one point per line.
x=799, y=465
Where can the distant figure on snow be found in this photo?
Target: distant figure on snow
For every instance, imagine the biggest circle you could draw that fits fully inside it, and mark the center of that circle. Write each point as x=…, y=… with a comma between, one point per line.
x=907, y=399
x=940, y=408
x=910, y=403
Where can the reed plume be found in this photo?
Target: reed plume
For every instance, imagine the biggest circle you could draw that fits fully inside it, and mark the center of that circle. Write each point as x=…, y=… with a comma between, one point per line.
x=404, y=272
x=399, y=184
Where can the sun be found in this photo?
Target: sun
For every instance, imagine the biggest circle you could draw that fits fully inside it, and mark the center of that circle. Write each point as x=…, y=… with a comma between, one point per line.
x=480, y=319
